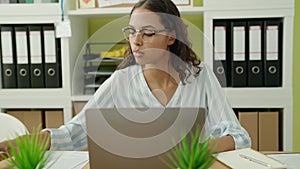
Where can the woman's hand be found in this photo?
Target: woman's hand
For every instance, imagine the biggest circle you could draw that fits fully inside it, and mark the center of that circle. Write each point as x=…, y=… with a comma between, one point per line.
x=222, y=144
x=4, y=148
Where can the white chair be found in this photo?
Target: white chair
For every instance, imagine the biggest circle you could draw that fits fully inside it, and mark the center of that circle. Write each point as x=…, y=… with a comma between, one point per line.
x=10, y=127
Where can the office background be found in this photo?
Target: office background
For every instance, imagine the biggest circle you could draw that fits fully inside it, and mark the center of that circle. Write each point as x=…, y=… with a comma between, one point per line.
x=95, y=24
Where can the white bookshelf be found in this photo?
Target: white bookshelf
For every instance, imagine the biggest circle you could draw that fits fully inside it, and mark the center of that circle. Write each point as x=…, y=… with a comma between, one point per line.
x=280, y=97
x=118, y=11
x=44, y=98
x=262, y=97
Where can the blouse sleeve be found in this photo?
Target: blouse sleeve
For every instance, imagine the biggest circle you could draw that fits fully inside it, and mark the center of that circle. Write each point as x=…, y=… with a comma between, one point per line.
x=73, y=135
x=222, y=120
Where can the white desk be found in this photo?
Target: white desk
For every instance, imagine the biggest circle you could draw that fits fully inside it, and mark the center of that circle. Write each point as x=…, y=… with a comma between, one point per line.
x=62, y=160
x=78, y=159
x=68, y=160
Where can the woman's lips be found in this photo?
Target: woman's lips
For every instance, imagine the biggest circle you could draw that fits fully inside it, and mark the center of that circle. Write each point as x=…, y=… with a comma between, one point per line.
x=138, y=54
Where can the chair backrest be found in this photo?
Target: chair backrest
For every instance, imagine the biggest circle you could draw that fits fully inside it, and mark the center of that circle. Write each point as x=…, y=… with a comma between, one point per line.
x=10, y=127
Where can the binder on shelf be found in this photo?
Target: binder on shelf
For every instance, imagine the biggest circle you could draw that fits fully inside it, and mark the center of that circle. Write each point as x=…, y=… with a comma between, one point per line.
x=8, y=60
x=255, y=55
x=220, y=62
x=23, y=75
x=13, y=1
x=36, y=63
x=52, y=67
x=273, y=53
x=238, y=54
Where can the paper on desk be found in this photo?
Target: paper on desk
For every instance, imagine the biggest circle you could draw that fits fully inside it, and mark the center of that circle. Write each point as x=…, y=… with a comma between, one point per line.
x=292, y=160
x=68, y=160
x=235, y=161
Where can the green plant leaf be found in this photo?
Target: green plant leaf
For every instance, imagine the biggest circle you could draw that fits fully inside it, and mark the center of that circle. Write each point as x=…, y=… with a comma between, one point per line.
x=30, y=152
x=191, y=154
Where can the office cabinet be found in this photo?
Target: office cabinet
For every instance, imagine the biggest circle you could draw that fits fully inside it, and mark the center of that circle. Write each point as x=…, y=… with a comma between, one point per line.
x=38, y=98
x=269, y=97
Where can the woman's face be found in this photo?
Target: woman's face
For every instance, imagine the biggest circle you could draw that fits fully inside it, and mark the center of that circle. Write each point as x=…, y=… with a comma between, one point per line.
x=147, y=47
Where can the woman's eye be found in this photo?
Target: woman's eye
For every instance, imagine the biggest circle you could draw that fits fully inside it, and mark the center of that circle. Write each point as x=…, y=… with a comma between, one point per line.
x=131, y=32
x=148, y=32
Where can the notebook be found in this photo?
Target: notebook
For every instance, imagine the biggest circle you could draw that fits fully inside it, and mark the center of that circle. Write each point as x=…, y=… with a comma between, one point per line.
x=138, y=138
x=249, y=158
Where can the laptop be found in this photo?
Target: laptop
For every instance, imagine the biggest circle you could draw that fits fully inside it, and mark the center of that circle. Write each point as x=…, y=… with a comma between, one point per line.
x=133, y=138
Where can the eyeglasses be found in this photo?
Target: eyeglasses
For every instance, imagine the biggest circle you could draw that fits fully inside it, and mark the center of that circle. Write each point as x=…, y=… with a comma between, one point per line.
x=147, y=34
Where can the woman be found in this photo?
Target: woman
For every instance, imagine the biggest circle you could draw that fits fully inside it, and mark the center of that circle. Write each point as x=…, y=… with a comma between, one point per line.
x=159, y=70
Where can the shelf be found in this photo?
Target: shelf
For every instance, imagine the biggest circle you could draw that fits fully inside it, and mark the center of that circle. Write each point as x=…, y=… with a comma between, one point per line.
x=232, y=5
x=99, y=73
x=33, y=98
x=81, y=98
x=104, y=12
x=259, y=97
x=92, y=86
x=105, y=60
x=42, y=9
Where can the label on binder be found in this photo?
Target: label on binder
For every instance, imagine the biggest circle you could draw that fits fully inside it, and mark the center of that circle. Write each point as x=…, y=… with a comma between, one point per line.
x=63, y=29
x=35, y=47
x=21, y=44
x=255, y=43
x=7, y=53
x=220, y=42
x=239, y=43
x=50, y=55
x=272, y=42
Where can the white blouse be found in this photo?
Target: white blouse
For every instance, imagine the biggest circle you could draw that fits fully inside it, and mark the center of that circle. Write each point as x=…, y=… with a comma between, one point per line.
x=128, y=88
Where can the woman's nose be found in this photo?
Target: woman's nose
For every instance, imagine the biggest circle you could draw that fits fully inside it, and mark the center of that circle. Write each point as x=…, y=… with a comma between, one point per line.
x=138, y=39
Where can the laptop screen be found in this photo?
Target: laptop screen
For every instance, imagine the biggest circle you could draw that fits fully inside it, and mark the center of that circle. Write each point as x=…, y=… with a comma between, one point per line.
x=137, y=137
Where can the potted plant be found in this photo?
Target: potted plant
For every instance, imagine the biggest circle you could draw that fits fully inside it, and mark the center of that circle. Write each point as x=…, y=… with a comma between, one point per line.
x=191, y=154
x=31, y=152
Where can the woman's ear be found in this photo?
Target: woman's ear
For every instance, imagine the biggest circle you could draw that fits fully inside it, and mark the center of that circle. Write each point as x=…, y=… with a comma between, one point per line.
x=172, y=37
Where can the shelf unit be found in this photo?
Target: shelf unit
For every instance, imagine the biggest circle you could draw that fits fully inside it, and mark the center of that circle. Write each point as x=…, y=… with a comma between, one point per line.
x=73, y=48
x=42, y=98
x=262, y=97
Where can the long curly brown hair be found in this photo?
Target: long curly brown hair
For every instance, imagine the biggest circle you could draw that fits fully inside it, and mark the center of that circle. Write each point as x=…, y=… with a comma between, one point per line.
x=181, y=48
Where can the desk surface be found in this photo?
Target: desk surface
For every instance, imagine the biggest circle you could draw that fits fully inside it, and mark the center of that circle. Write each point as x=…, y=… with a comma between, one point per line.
x=79, y=160
x=216, y=165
